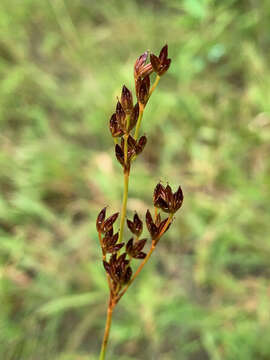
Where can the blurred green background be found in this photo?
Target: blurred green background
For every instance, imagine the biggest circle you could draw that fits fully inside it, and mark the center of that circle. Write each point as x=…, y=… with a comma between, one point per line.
x=206, y=292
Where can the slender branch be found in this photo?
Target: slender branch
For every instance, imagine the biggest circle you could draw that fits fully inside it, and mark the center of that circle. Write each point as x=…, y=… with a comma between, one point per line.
x=138, y=125
x=107, y=330
x=124, y=206
x=147, y=257
x=154, y=85
x=126, y=181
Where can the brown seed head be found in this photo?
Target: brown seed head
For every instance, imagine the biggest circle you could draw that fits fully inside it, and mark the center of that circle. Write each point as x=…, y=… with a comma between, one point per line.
x=166, y=200
x=161, y=64
x=140, y=144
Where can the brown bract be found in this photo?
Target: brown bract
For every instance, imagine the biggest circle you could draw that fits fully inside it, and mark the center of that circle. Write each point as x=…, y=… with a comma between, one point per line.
x=103, y=225
x=135, y=226
x=126, y=100
x=155, y=228
x=109, y=242
x=135, y=250
x=142, y=89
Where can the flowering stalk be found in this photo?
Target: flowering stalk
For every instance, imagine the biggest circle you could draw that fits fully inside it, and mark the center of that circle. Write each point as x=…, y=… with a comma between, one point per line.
x=116, y=253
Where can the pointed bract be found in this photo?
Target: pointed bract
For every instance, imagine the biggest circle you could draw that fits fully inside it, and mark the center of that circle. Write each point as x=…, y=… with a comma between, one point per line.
x=126, y=100
x=108, y=223
x=100, y=219
x=134, y=117
x=115, y=128
x=119, y=154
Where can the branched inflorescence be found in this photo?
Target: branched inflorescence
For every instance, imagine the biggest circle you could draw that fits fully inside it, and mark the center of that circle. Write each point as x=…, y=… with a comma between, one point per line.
x=118, y=254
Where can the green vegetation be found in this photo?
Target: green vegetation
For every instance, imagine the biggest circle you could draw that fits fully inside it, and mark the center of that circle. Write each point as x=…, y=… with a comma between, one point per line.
x=62, y=64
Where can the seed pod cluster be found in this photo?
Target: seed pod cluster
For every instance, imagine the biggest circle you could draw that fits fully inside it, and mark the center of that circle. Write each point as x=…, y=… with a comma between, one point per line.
x=126, y=114
x=161, y=63
x=118, y=254
x=134, y=148
x=119, y=271
x=166, y=200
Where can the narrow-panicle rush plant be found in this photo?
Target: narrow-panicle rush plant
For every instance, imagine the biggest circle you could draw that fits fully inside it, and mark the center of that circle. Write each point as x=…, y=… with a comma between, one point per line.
x=117, y=254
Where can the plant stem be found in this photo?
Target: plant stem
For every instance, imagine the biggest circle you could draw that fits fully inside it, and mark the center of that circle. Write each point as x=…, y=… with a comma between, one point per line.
x=137, y=130
x=154, y=85
x=126, y=180
x=124, y=206
x=107, y=330
x=147, y=257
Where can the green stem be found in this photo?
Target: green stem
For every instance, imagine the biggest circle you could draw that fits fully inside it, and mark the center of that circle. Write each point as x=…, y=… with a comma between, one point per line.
x=154, y=85
x=107, y=331
x=124, y=206
x=137, y=130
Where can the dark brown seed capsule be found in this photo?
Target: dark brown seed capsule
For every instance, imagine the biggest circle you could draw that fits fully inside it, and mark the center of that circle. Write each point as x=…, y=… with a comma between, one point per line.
x=142, y=89
x=135, y=226
x=131, y=142
x=140, y=63
x=115, y=128
x=126, y=100
x=155, y=62
x=139, y=245
x=107, y=267
x=108, y=224
x=128, y=275
x=138, y=225
x=135, y=250
x=100, y=219
x=119, y=154
x=141, y=144
x=134, y=117
x=153, y=230
x=178, y=198
x=120, y=116
x=163, y=55
x=129, y=246
x=161, y=64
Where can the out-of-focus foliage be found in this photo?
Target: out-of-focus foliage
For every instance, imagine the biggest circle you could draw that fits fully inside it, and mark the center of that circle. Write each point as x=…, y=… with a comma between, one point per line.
x=205, y=294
